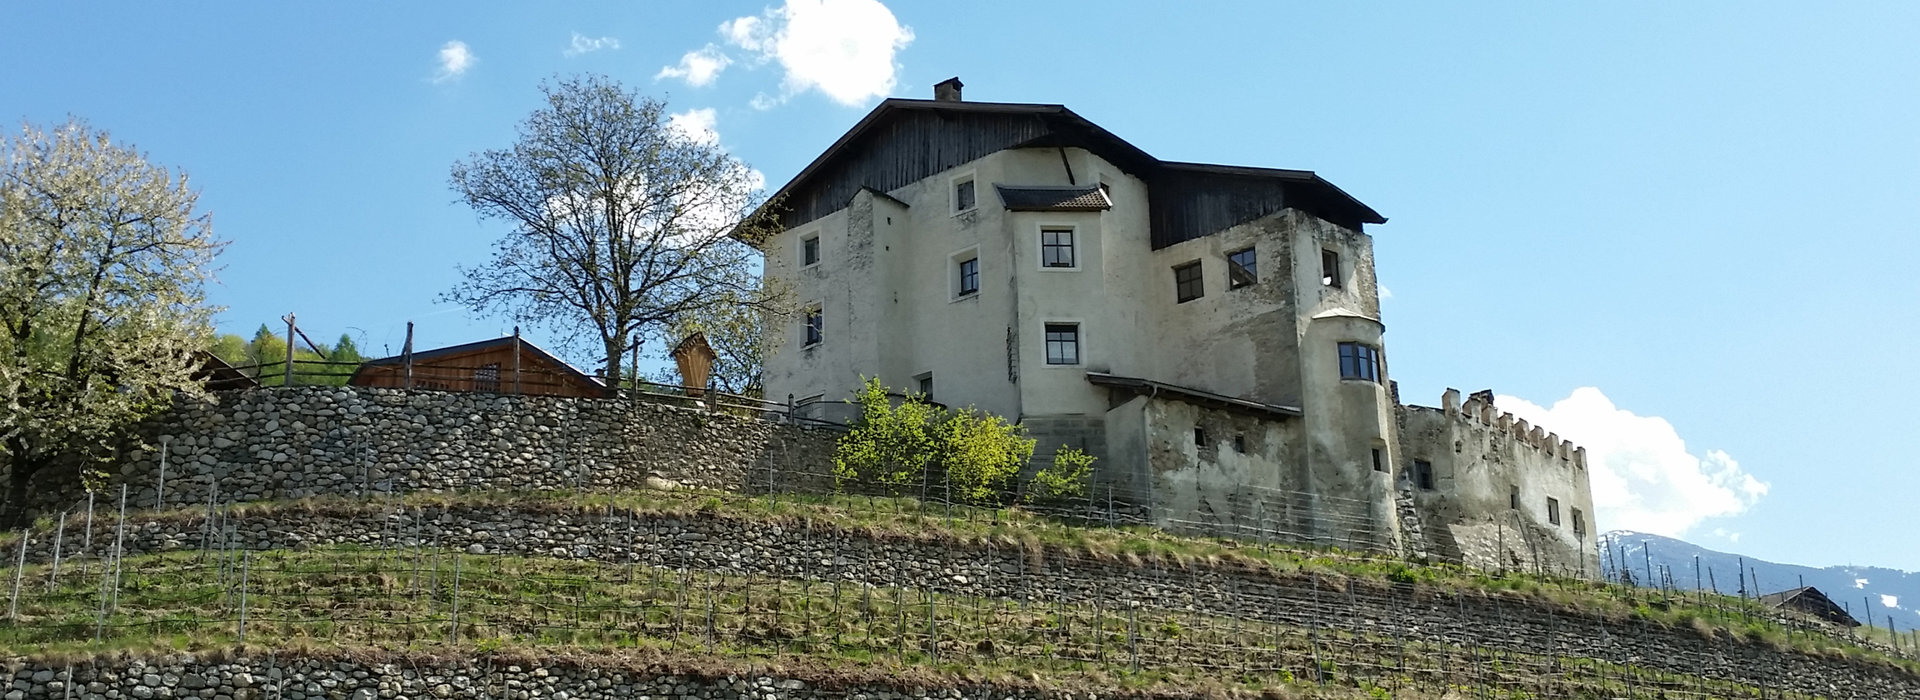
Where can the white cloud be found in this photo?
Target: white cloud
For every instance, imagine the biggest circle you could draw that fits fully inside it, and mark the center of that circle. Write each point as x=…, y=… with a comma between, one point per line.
x=1385, y=293
x=1727, y=535
x=1860, y=583
x=843, y=48
x=1891, y=601
x=697, y=124
x=1644, y=477
x=455, y=59
x=699, y=68
x=581, y=44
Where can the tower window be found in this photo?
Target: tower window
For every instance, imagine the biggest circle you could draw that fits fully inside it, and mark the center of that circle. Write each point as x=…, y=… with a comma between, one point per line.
x=816, y=326
x=1330, y=268
x=1187, y=282
x=963, y=199
x=1513, y=497
x=926, y=385
x=1579, y=523
x=1056, y=247
x=1553, y=511
x=809, y=251
x=1199, y=436
x=1242, y=269
x=1379, y=462
x=1063, y=344
x=1359, y=361
x=969, y=276
x=1423, y=474
x=1240, y=444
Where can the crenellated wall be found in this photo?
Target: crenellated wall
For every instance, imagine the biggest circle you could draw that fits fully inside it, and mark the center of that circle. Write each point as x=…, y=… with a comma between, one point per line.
x=1505, y=494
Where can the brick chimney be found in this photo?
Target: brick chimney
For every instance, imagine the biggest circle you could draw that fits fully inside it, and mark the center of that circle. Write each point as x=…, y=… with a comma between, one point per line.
x=947, y=90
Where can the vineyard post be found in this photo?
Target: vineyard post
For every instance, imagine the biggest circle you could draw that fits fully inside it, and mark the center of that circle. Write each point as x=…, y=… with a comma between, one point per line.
x=19, y=570
x=59, y=537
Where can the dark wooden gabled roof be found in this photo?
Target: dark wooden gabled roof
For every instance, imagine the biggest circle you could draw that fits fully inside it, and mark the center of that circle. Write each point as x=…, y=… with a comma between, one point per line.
x=426, y=357
x=903, y=141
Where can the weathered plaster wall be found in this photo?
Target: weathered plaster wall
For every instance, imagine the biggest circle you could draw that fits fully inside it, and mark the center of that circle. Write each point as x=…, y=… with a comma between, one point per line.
x=291, y=443
x=1479, y=456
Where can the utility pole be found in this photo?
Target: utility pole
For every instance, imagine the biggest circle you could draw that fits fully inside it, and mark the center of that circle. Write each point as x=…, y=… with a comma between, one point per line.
x=406, y=359
x=288, y=380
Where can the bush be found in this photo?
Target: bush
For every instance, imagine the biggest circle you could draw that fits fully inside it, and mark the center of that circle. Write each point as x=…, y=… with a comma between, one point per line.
x=1065, y=478
x=982, y=454
x=897, y=445
x=888, y=445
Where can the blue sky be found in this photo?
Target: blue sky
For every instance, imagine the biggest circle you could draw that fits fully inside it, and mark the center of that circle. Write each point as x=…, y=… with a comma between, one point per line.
x=1679, y=233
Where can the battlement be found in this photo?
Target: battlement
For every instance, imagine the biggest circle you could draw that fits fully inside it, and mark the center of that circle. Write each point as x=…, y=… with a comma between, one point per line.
x=1479, y=409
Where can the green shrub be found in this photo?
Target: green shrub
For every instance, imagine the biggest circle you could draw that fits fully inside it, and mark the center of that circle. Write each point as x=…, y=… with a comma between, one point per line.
x=898, y=445
x=888, y=445
x=982, y=454
x=1065, y=478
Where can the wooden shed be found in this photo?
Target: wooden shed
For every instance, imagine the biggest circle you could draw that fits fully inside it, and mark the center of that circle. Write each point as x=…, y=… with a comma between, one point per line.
x=509, y=365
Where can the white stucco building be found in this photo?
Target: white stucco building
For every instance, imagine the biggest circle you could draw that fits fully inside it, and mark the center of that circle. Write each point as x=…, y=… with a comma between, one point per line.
x=1212, y=333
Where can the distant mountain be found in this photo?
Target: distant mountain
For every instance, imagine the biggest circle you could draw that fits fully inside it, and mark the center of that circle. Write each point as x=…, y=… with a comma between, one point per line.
x=1887, y=591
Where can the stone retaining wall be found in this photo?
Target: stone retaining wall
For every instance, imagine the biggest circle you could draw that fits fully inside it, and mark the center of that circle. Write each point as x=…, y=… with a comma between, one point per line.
x=309, y=678
x=268, y=444
x=796, y=550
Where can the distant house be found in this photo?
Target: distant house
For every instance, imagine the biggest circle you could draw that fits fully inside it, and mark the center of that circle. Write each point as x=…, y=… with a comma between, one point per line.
x=509, y=365
x=1810, y=601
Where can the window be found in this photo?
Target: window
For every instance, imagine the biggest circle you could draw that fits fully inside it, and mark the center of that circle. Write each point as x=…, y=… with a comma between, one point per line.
x=926, y=385
x=1187, y=285
x=1330, y=268
x=1379, y=464
x=969, y=276
x=1423, y=474
x=963, y=199
x=1056, y=247
x=1199, y=436
x=816, y=326
x=1359, y=361
x=487, y=377
x=809, y=251
x=1240, y=444
x=1513, y=497
x=1579, y=523
x=1242, y=269
x=1063, y=344
x=1553, y=511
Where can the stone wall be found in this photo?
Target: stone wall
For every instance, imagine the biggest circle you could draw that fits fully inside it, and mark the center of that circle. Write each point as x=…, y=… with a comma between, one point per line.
x=292, y=443
x=796, y=549
x=349, y=678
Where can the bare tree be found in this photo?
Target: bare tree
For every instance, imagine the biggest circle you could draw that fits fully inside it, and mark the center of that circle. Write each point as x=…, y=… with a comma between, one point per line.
x=622, y=222
x=103, y=260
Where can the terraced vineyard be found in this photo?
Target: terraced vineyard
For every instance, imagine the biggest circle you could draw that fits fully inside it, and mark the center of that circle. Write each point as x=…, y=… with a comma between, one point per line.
x=823, y=587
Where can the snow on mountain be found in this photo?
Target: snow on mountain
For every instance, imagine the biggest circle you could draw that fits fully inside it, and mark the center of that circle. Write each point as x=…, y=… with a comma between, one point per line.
x=1886, y=594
